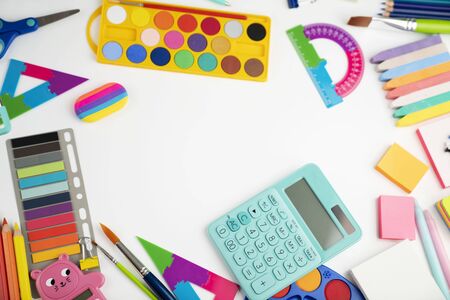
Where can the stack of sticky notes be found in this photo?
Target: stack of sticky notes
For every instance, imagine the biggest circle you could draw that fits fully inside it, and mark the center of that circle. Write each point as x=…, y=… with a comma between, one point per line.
x=396, y=218
x=417, y=77
x=402, y=168
x=443, y=207
x=400, y=272
x=434, y=138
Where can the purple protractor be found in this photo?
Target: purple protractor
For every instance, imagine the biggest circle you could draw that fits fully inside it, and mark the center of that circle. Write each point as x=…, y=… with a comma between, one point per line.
x=355, y=58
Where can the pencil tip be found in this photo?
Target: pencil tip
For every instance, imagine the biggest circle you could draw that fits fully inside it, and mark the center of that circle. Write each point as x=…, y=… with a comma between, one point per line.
x=5, y=221
x=16, y=227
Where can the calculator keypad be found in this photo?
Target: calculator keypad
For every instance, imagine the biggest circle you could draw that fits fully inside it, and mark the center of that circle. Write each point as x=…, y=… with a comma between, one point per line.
x=265, y=242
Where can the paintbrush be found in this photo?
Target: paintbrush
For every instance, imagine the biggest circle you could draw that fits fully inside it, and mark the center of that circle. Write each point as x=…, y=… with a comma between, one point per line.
x=155, y=285
x=417, y=25
x=126, y=272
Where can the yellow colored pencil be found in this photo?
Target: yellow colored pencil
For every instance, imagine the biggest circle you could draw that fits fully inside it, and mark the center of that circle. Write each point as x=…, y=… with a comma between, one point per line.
x=425, y=114
x=22, y=265
x=416, y=76
x=10, y=261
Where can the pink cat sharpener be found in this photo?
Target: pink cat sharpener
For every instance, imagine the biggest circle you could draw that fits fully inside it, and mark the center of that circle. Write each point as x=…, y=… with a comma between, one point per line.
x=63, y=280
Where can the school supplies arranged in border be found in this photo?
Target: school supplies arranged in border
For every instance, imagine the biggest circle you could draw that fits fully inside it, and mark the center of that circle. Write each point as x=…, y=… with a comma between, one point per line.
x=126, y=272
x=51, y=199
x=443, y=208
x=433, y=137
x=418, y=79
x=180, y=274
x=430, y=251
x=63, y=280
x=56, y=83
x=284, y=232
x=10, y=30
x=438, y=246
x=402, y=168
x=401, y=271
x=152, y=281
x=321, y=283
x=417, y=25
x=396, y=218
x=332, y=94
x=183, y=39
x=101, y=102
x=22, y=265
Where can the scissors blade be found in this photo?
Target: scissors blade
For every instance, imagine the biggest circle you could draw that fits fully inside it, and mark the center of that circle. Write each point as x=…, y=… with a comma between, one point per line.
x=44, y=20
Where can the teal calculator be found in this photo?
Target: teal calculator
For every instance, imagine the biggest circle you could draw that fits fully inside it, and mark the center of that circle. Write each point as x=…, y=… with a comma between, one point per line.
x=285, y=232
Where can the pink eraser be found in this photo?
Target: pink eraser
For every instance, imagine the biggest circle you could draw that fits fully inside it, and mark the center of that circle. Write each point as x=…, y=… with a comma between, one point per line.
x=396, y=218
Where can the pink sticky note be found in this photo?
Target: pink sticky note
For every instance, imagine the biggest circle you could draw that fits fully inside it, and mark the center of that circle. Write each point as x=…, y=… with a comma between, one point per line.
x=396, y=218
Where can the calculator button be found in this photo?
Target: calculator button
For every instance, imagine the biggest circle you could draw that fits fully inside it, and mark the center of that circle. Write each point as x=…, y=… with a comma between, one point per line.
x=279, y=273
x=290, y=266
x=261, y=245
x=265, y=204
x=250, y=251
x=241, y=238
x=231, y=245
x=310, y=253
x=248, y=273
x=282, y=232
x=252, y=231
x=300, y=240
x=263, y=283
x=233, y=224
x=300, y=259
x=292, y=226
x=272, y=239
x=273, y=218
x=273, y=199
x=222, y=231
x=280, y=252
x=270, y=259
x=239, y=259
x=282, y=213
x=254, y=211
x=244, y=218
x=291, y=245
x=259, y=265
x=263, y=225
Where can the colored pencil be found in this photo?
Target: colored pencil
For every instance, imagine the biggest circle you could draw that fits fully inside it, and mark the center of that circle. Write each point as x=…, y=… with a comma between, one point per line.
x=10, y=262
x=3, y=282
x=425, y=114
x=430, y=252
x=421, y=105
x=420, y=6
x=126, y=272
x=411, y=12
x=434, y=2
x=417, y=15
x=438, y=246
x=152, y=281
x=22, y=265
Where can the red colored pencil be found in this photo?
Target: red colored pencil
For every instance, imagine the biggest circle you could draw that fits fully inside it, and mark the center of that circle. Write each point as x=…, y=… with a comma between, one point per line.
x=3, y=283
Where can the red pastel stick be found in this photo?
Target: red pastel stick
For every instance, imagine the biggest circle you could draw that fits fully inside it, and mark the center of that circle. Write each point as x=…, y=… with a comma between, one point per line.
x=418, y=85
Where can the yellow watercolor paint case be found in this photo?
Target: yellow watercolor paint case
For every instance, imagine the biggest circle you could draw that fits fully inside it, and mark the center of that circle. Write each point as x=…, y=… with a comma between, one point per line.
x=184, y=39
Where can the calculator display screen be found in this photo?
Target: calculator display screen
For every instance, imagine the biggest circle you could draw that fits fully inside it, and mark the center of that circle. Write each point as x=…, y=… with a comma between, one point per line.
x=314, y=214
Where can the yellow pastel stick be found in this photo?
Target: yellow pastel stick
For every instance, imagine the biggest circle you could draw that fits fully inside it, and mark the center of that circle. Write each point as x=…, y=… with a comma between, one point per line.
x=22, y=265
x=416, y=76
x=425, y=114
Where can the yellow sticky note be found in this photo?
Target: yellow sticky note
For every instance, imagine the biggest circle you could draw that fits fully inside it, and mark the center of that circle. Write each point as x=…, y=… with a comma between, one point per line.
x=402, y=168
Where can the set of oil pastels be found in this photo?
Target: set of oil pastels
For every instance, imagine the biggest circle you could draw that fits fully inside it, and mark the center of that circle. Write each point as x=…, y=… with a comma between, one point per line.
x=51, y=200
x=184, y=39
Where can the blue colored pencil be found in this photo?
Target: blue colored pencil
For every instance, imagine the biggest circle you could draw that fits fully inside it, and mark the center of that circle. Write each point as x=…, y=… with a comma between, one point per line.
x=436, y=2
x=418, y=11
x=417, y=6
x=413, y=16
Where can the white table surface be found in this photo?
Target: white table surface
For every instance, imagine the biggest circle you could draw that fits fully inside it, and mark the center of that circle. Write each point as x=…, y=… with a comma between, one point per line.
x=187, y=149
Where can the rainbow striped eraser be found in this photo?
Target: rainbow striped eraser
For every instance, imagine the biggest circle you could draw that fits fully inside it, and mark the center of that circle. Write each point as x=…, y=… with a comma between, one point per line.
x=101, y=102
x=443, y=207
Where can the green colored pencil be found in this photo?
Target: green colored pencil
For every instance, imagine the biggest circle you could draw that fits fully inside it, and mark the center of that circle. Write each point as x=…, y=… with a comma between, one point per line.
x=127, y=273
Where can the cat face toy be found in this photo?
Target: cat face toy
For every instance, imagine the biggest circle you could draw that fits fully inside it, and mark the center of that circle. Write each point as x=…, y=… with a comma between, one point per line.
x=63, y=280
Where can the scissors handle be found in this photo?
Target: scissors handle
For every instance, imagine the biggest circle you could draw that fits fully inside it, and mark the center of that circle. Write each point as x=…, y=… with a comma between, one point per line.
x=10, y=30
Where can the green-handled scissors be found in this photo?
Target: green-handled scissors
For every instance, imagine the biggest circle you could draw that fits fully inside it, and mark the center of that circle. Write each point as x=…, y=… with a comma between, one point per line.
x=10, y=30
